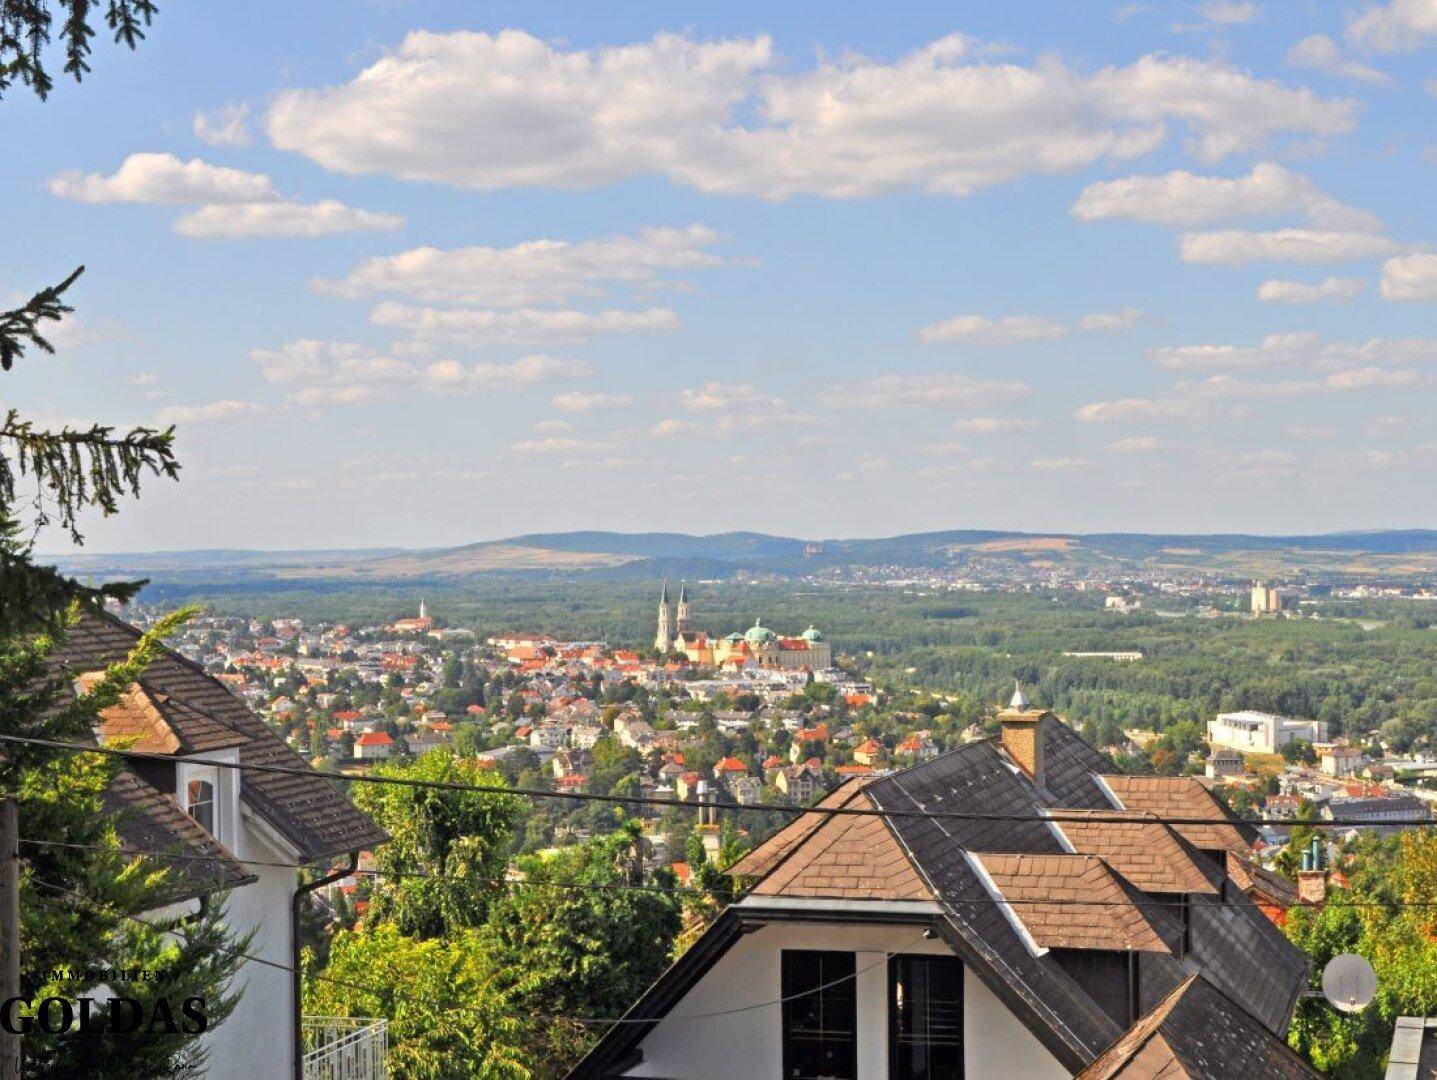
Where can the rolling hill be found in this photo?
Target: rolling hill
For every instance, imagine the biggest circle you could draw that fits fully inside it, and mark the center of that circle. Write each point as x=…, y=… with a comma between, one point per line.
x=1390, y=553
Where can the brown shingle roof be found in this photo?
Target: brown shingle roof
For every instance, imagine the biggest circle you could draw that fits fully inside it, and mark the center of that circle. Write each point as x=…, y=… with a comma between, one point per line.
x=147, y=820
x=307, y=810
x=766, y=856
x=1197, y=1033
x=1252, y=878
x=1080, y=903
x=847, y=857
x=152, y=722
x=1147, y=853
x=1181, y=797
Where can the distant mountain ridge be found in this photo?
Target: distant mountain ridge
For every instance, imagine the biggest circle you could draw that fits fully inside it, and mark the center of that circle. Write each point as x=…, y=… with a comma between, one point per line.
x=653, y=554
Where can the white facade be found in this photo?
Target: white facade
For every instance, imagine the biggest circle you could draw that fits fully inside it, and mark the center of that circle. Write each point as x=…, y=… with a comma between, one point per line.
x=749, y=1043
x=1261, y=732
x=261, y=908
x=255, y=1040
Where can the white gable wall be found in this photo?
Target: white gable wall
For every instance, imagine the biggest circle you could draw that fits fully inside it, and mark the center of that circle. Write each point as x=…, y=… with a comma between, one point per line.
x=255, y=1041
x=749, y=1043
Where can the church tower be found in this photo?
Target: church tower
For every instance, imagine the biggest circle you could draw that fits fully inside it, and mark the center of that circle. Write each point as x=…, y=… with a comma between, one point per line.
x=664, y=639
x=682, y=624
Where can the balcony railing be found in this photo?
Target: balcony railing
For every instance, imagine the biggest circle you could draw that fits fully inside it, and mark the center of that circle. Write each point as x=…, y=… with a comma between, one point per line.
x=346, y=1048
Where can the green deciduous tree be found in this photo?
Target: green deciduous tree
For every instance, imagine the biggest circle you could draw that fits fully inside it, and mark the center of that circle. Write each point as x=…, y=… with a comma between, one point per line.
x=437, y=832
x=1398, y=941
x=448, y=1017
x=581, y=952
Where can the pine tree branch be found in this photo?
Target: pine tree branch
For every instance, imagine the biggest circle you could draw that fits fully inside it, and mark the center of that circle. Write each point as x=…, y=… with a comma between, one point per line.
x=20, y=326
x=25, y=27
x=78, y=469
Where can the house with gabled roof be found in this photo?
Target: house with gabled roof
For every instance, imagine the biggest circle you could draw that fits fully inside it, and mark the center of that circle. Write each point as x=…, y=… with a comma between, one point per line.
x=242, y=832
x=1012, y=908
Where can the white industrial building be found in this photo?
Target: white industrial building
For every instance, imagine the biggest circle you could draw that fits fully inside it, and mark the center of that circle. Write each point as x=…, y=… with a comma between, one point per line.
x=1262, y=732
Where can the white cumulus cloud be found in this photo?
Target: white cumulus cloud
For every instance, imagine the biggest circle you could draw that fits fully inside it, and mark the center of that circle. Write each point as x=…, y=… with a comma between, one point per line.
x=226, y=126
x=992, y=425
x=165, y=179
x=1396, y=26
x=203, y=414
x=980, y=330
x=1183, y=198
x=281, y=219
x=1321, y=53
x=937, y=390
x=1410, y=277
x=333, y=372
x=1233, y=247
x=730, y=116
x=1139, y=444
x=522, y=325
x=1337, y=289
x=230, y=202
x=533, y=272
x=576, y=401
x=1110, y=320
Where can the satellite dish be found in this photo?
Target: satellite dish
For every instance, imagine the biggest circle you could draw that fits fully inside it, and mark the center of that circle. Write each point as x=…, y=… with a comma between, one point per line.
x=1349, y=982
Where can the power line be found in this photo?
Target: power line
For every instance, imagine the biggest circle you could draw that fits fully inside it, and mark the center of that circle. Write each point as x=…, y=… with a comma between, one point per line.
x=1057, y=815
x=598, y=886
x=385, y=992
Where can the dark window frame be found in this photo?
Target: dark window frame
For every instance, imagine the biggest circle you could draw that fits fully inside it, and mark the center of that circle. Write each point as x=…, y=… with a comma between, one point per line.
x=894, y=1063
x=202, y=802
x=838, y=978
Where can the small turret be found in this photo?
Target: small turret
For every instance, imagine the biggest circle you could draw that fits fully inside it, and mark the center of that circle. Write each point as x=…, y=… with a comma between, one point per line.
x=1018, y=703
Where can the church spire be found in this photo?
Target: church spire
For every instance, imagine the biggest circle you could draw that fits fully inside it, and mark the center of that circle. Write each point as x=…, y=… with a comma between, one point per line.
x=664, y=635
x=681, y=623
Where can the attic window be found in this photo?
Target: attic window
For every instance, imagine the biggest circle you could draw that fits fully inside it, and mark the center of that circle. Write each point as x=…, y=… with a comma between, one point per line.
x=200, y=802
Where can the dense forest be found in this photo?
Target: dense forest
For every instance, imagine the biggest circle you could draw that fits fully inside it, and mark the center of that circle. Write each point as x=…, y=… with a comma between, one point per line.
x=1368, y=669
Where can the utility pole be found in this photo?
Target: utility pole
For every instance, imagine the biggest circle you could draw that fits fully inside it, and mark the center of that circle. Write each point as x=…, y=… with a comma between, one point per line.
x=9, y=929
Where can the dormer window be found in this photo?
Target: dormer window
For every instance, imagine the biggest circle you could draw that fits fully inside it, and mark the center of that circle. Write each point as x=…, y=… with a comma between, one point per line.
x=200, y=802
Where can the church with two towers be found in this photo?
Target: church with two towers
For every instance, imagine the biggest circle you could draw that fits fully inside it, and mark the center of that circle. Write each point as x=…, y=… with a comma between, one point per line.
x=758, y=646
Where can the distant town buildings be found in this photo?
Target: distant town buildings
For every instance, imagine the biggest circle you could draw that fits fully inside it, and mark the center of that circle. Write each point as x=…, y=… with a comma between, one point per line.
x=1339, y=759
x=1262, y=732
x=1223, y=763
x=1266, y=599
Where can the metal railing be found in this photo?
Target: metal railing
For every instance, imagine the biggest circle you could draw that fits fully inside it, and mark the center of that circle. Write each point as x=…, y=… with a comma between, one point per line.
x=346, y=1048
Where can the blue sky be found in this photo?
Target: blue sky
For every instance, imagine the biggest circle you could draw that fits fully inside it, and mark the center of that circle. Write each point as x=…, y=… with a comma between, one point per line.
x=423, y=273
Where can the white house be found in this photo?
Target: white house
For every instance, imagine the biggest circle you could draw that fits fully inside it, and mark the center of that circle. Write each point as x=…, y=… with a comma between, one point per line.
x=1262, y=732
x=373, y=746
x=1056, y=942
x=190, y=802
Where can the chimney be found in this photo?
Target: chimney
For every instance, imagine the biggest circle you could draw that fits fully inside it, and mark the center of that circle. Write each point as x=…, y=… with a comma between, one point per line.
x=1312, y=878
x=1023, y=739
x=709, y=832
x=1312, y=886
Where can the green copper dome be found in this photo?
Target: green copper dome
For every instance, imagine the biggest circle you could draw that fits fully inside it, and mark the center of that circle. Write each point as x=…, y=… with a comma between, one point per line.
x=758, y=633
x=811, y=635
